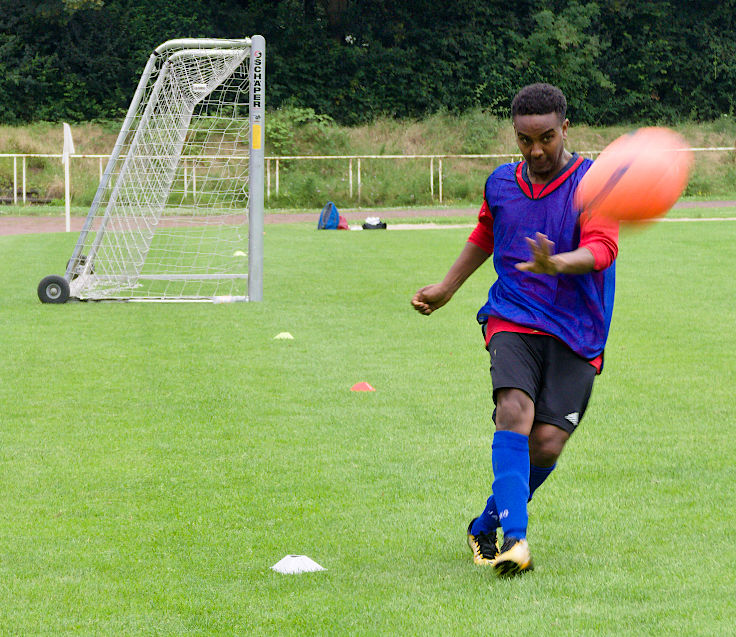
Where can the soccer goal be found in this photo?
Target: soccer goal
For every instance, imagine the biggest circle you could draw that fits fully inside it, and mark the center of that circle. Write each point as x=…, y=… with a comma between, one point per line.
x=178, y=214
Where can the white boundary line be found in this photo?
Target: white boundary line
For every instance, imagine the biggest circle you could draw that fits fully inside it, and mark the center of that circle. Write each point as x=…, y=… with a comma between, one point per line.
x=451, y=226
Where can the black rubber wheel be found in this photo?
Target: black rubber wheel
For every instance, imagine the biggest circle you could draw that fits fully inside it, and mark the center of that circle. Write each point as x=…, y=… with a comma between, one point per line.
x=53, y=289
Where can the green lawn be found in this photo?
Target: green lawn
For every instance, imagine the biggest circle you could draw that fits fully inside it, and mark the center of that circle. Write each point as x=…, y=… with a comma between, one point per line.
x=157, y=460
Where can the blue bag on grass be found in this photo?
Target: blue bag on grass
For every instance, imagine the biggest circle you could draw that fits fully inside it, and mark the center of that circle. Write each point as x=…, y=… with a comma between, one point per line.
x=331, y=219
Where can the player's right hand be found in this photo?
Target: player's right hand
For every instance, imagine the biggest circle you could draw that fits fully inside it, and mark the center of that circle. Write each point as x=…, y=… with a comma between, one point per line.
x=430, y=298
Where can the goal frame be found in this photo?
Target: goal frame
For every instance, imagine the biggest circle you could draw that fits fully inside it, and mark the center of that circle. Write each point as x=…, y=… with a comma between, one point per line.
x=56, y=289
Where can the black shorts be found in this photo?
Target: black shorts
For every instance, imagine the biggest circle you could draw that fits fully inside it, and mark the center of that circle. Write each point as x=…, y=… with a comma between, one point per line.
x=558, y=381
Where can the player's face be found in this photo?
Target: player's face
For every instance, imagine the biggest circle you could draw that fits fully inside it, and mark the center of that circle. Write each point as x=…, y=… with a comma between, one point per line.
x=541, y=140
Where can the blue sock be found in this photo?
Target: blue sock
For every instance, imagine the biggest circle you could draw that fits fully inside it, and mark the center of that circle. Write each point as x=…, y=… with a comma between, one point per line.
x=510, y=459
x=537, y=475
x=487, y=521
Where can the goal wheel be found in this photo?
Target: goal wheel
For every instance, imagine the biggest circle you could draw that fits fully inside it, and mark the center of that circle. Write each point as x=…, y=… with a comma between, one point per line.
x=53, y=289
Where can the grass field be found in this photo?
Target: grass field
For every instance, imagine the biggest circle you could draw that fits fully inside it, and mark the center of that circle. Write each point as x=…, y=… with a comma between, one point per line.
x=156, y=461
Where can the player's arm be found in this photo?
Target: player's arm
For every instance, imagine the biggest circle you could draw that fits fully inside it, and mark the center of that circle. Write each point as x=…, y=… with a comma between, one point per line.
x=598, y=250
x=432, y=297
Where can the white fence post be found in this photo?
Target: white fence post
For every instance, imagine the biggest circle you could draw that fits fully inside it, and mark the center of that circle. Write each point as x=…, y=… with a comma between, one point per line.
x=350, y=175
x=277, y=177
x=431, y=177
x=440, y=179
x=15, y=179
x=358, y=179
x=67, y=196
x=24, y=180
x=268, y=179
x=67, y=152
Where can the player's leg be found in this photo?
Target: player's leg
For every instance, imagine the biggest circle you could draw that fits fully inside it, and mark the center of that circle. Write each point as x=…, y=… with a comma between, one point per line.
x=515, y=372
x=560, y=405
x=546, y=443
x=560, y=402
x=545, y=446
x=510, y=457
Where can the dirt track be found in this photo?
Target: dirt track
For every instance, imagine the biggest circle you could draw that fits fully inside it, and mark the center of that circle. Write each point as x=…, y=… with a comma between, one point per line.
x=30, y=225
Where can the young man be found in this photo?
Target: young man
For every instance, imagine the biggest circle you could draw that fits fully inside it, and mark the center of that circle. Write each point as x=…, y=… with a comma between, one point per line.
x=546, y=319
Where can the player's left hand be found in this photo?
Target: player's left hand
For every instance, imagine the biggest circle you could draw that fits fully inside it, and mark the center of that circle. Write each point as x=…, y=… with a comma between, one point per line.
x=542, y=261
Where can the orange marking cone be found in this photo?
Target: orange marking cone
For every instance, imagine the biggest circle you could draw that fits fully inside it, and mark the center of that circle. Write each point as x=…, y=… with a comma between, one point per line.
x=362, y=387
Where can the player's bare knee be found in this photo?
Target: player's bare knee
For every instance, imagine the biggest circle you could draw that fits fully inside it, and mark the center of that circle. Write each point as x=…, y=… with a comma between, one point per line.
x=544, y=455
x=514, y=411
x=546, y=443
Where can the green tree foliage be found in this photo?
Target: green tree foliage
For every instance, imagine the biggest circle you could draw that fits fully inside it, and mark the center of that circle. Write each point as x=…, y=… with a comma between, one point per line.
x=563, y=49
x=353, y=60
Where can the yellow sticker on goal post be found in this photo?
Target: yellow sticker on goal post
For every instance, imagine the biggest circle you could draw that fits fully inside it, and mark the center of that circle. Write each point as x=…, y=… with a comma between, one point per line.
x=256, y=141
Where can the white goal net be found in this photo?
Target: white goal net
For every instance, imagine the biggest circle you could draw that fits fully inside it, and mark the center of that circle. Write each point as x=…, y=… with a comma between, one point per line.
x=183, y=190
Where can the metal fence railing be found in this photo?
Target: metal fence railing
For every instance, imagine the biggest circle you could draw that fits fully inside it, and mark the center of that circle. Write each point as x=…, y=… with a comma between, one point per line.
x=353, y=169
x=274, y=165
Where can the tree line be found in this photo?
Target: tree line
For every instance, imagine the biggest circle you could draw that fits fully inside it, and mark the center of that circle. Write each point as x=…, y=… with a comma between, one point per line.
x=618, y=61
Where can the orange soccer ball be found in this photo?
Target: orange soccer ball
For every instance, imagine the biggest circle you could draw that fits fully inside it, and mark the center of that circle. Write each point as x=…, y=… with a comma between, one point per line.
x=637, y=177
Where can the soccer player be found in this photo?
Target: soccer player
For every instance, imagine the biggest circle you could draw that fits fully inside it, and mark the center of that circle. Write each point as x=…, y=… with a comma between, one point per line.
x=547, y=316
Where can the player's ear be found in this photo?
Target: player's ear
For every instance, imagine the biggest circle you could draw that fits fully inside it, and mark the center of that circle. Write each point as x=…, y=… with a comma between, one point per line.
x=565, y=126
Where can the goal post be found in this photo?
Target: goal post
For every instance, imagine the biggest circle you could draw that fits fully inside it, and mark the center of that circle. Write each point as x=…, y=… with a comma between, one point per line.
x=257, y=132
x=178, y=214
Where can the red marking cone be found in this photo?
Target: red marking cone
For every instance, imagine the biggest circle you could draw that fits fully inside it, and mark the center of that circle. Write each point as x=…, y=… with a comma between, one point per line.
x=362, y=387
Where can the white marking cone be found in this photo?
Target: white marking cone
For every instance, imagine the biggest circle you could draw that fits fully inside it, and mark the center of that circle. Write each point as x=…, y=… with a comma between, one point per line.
x=292, y=564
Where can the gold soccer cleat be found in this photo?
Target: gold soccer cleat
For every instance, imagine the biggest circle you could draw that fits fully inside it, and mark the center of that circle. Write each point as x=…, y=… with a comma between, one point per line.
x=483, y=545
x=513, y=559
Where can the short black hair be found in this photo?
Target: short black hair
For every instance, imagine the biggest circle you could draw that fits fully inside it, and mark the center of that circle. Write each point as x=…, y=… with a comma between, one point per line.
x=539, y=99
